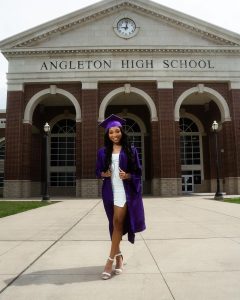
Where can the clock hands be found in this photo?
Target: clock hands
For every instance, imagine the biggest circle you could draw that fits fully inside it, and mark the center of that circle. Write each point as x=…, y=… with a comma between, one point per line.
x=126, y=25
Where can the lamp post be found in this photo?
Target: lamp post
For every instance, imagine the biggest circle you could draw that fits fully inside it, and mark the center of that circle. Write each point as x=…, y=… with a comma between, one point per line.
x=46, y=196
x=218, y=194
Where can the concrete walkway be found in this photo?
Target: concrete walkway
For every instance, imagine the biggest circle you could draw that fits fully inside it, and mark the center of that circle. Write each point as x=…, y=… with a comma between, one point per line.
x=190, y=251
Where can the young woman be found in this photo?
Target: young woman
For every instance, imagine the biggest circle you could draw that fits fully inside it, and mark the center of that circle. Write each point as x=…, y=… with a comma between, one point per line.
x=119, y=168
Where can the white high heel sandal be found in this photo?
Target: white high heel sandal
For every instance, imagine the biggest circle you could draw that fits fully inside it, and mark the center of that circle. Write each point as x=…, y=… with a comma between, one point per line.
x=106, y=275
x=119, y=271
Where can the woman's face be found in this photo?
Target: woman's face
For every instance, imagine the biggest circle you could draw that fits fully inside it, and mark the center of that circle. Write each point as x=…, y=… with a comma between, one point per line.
x=115, y=135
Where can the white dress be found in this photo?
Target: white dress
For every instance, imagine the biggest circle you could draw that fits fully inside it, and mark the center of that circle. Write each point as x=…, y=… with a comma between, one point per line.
x=119, y=196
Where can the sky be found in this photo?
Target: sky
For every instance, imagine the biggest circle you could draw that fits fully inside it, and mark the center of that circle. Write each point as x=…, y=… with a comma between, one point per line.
x=17, y=16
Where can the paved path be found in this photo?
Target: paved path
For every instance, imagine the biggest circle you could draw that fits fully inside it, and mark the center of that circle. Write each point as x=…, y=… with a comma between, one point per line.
x=190, y=251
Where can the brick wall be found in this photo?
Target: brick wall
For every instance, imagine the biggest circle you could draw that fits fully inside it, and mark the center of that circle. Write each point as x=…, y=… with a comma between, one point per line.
x=14, y=134
x=89, y=133
x=235, y=129
x=167, y=134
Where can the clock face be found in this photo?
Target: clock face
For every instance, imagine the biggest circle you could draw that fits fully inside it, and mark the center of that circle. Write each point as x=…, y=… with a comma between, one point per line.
x=126, y=27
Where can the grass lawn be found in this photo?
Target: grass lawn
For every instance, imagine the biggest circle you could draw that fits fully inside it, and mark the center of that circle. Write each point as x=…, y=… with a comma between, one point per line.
x=8, y=208
x=232, y=200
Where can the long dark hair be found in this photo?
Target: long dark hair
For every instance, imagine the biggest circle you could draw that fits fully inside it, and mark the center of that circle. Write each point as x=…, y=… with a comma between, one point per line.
x=125, y=146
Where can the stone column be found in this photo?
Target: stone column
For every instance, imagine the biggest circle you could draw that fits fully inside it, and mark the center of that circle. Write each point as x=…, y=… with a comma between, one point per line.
x=89, y=183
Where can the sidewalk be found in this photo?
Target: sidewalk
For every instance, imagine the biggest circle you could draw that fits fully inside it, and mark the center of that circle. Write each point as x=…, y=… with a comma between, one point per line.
x=190, y=251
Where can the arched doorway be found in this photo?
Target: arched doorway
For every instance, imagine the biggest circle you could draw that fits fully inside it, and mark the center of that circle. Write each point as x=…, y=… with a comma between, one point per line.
x=138, y=112
x=61, y=110
x=196, y=109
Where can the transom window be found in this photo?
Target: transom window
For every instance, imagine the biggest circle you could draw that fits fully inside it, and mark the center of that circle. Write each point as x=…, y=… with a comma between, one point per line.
x=135, y=136
x=63, y=162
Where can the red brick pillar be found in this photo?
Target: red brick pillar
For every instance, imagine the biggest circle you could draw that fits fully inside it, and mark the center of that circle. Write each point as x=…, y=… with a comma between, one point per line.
x=155, y=159
x=232, y=145
x=13, y=155
x=78, y=158
x=26, y=160
x=89, y=183
x=170, y=181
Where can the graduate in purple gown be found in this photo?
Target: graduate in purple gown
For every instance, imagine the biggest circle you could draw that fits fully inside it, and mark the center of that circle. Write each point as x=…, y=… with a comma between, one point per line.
x=119, y=167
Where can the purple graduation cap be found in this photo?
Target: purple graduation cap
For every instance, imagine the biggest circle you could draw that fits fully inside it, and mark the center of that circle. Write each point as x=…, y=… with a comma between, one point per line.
x=112, y=121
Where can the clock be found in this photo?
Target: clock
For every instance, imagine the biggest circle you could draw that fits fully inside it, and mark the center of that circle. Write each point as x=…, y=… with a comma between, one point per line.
x=125, y=27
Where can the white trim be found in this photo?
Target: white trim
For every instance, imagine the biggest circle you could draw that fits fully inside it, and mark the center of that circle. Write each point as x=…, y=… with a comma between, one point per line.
x=147, y=99
x=216, y=97
x=89, y=85
x=165, y=84
x=36, y=99
x=234, y=85
x=14, y=87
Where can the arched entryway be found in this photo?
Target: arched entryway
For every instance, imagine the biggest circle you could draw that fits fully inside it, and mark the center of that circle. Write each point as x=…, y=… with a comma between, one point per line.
x=61, y=110
x=195, y=110
x=137, y=107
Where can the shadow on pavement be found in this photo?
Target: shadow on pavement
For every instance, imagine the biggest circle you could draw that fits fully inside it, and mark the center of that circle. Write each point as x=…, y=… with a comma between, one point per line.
x=58, y=276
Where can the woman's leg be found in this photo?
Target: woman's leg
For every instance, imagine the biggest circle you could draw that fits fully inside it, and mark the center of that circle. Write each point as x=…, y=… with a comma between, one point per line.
x=118, y=221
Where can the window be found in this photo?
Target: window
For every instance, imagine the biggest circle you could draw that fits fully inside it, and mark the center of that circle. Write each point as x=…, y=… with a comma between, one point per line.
x=189, y=143
x=190, y=149
x=2, y=149
x=134, y=133
x=1, y=180
x=62, y=162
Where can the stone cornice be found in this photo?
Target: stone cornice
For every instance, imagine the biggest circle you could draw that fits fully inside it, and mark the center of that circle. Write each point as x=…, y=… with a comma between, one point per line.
x=163, y=50
x=169, y=16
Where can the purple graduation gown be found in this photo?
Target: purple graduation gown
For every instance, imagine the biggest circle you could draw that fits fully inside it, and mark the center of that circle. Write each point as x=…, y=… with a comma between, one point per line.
x=135, y=221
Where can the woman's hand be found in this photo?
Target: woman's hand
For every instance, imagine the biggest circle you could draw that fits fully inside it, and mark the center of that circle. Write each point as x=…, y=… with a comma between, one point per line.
x=106, y=174
x=123, y=175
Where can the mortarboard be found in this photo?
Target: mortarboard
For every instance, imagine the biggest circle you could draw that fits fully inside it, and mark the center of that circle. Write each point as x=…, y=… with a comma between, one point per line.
x=112, y=121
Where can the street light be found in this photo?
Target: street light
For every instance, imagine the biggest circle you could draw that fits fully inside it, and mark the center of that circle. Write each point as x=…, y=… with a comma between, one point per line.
x=218, y=194
x=46, y=175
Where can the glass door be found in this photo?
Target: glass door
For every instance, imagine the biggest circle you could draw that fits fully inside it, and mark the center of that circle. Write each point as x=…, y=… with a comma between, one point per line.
x=187, y=183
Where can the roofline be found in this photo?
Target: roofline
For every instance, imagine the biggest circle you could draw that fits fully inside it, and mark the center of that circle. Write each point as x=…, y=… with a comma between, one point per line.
x=8, y=53
x=163, y=12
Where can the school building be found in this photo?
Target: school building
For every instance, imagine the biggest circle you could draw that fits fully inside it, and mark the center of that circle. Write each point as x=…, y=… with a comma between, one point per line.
x=168, y=74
